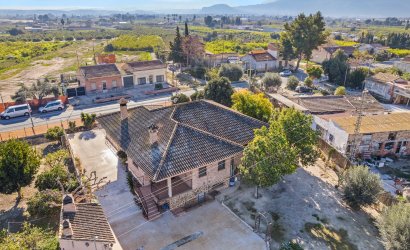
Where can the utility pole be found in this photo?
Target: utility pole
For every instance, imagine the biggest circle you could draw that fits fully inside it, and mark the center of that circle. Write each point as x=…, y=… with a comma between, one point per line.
x=356, y=140
x=29, y=112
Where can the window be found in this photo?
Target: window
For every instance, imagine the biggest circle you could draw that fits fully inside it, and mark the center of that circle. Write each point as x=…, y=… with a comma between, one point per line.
x=10, y=111
x=221, y=165
x=160, y=78
x=202, y=172
x=114, y=83
x=93, y=86
x=142, y=80
x=104, y=85
x=151, y=79
x=388, y=146
x=21, y=108
x=392, y=136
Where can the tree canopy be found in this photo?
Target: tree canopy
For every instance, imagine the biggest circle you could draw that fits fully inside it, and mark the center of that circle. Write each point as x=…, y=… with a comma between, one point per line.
x=233, y=72
x=361, y=187
x=254, y=105
x=219, y=90
x=293, y=82
x=394, y=226
x=179, y=98
x=337, y=67
x=19, y=163
x=271, y=81
x=340, y=90
x=177, y=54
x=30, y=237
x=302, y=36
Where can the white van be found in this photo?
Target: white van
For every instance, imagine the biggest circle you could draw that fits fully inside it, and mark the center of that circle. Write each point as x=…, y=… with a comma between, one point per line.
x=52, y=106
x=15, y=111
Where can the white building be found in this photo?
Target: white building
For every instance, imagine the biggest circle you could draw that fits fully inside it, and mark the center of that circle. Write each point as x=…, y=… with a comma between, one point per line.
x=389, y=87
x=263, y=60
x=144, y=72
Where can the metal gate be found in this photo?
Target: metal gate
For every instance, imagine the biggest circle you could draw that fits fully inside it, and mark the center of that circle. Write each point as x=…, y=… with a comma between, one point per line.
x=128, y=81
x=75, y=91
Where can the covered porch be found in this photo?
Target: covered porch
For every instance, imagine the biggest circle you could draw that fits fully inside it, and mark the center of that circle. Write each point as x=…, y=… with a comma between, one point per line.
x=172, y=186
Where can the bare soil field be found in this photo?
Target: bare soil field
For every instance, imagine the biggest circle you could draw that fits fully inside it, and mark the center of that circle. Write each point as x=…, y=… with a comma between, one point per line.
x=307, y=208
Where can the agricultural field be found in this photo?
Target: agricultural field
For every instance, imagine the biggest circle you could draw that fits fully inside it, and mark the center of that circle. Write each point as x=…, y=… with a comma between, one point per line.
x=226, y=46
x=399, y=52
x=242, y=35
x=138, y=43
x=345, y=43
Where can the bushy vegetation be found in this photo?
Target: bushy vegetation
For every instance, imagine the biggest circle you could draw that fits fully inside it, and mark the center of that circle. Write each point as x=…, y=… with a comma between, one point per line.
x=394, y=226
x=254, y=105
x=149, y=43
x=44, y=203
x=227, y=46
x=293, y=82
x=180, y=98
x=340, y=90
x=30, y=237
x=271, y=81
x=233, y=72
x=88, y=119
x=361, y=187
x=55, y=133
x=219, y=90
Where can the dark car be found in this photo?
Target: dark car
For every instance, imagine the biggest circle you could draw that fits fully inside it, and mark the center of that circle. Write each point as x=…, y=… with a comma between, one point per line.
x=303, y=89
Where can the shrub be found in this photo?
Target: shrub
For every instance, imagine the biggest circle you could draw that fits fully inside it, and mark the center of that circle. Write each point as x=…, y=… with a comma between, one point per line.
x=361, y=187
x=55, y=133
x=88, y=120
x=43, y=203
x=122, y=155
x=72, y=127
x=158, y=86
x=293, y=82
x=197, y=95
x=356, y=77
x=49, y=179
x=29, y=238
x=179, y=98
x=394, y=226
x=271, y=81
x=219, y=90
x=233, y=72
x=314, y=72
x=309, y=82
x=198, y=71
x=340, y=90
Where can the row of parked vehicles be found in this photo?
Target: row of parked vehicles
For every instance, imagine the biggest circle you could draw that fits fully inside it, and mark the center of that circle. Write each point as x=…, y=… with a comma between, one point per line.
x=25, y=109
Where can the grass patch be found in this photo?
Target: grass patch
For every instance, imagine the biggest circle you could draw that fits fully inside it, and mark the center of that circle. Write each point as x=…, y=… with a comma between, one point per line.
x=335, y=239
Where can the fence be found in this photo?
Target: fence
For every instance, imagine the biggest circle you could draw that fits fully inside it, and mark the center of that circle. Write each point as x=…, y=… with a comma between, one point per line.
x=336, y=157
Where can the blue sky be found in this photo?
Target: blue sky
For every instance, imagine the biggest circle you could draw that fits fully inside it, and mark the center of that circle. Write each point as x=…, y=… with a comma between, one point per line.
x=120, y=4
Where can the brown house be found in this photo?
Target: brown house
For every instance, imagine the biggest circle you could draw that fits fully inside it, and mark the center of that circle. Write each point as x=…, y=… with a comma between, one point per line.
x=178, y=154
x=99, y=78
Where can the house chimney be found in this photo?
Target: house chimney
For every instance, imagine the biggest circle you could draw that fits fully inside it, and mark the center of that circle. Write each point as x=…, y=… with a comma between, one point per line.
x=68, y=205
x=67, y=231
x=123, y=109
x=153, y=134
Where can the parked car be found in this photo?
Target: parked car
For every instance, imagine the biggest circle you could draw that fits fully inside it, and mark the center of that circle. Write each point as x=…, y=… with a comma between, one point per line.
x=303, y=89
x=15, y=111
x=285, y=73
x=52, y=106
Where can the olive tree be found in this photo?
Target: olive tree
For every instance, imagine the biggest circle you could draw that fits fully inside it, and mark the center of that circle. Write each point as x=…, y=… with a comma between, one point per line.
x=271, y=81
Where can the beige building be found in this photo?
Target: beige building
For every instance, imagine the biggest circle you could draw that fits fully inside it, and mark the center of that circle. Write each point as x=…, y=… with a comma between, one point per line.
x=389, y=87
x=83, y=226
x=143, y=72
x=179, y=154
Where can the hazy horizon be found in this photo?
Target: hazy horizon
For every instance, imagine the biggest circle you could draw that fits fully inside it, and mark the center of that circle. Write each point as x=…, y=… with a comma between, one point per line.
x=125, y=4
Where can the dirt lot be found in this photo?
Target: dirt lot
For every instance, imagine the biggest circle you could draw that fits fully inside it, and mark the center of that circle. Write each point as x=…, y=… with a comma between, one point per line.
x=62, y=60
x=301, y=200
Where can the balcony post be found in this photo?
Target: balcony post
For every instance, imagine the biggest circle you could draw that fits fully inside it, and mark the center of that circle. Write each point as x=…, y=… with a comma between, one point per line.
x=169, y=187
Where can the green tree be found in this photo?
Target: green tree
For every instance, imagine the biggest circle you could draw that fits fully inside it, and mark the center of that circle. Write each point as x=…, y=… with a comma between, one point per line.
x=394, y=226
x=88, y=119
x=253, y=105
x=177, y=54
x=357, y=77
x=304, y=34
x=337, y=67
x=15, y=32
x=293, y=82
x=179, y=98
x=314, y=72
x=308, y=82
x=197, y=95
x=41, y=89
x=233, y=72
x=186, y=31
x=219, y=90
x=271, y=81
x=301, y=137
x=55, y=133
x=361, y=187
x=268, y=157
x=340, y=90
x=30, y=237
x=19, y=163
x=44, y=203
x=208, y=21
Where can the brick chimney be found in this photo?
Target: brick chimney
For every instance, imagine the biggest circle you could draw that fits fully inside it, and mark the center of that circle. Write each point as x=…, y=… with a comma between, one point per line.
x=123, y=109
x=153, y=134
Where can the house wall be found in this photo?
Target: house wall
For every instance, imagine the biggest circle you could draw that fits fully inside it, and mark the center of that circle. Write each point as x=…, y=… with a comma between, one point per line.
x=147, y=73
x=204, y=184
x=336, y=137
x=66, y=244
x=383, y=90
x=96, y=84
x=138, y=173
x=404, y=66
x=251, y=63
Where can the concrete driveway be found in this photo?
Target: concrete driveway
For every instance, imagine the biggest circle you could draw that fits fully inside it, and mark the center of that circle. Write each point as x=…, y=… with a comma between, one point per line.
x=94, y=154
x=217, y=227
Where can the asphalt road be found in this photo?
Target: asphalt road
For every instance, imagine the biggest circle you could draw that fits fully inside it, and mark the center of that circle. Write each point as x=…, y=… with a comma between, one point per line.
x=72, y=113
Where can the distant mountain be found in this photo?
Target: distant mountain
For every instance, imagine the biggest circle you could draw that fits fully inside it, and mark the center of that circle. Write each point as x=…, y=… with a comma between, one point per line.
x=333, y=8
x=220, y=9
x=79, y=12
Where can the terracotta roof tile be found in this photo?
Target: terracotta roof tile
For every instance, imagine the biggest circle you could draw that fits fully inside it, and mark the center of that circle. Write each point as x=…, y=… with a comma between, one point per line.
x=99, y=70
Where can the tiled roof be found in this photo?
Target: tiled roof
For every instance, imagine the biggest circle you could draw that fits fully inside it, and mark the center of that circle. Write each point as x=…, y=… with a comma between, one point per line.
x=262, y=56
x=337, y=104
x=384, y=77
x=89, y=222
x=143, y=65
x=190, y=135
x=99, y=70
x=376, y=123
